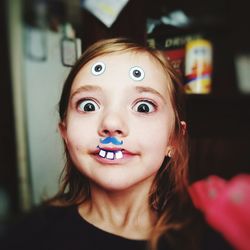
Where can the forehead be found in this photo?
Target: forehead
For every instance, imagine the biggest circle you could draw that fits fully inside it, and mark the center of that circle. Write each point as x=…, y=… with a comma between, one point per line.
x=127, y=60
x=117, y=67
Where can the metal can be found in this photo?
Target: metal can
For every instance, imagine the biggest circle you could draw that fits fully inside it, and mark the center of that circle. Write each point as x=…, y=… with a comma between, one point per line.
x=198, y=67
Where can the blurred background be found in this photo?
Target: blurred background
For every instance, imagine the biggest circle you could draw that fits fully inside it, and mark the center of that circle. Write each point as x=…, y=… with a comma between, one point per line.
x=41, y=39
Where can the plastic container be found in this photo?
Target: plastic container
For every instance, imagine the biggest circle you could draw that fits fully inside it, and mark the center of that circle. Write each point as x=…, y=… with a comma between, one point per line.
x=198, y=67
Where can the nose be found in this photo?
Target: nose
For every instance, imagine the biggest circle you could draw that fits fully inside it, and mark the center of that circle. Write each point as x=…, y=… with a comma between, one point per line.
x=113, y=124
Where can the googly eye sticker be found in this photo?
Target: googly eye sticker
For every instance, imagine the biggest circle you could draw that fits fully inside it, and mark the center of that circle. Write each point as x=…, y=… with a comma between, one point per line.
x=136, y=73
x=98, y=68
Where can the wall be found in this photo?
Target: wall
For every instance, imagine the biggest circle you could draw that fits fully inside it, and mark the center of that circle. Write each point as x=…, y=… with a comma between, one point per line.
x=43, y=84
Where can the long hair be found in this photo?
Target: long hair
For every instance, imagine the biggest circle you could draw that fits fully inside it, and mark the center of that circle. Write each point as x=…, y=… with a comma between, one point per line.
x=168, y=195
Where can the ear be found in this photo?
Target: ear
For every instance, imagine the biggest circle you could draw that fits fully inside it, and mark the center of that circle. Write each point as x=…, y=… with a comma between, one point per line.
x=63, y=131
x=183, y=127
x=170, y=149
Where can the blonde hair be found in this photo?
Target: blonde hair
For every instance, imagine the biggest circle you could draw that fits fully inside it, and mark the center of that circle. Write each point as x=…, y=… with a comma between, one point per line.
x=168, y=193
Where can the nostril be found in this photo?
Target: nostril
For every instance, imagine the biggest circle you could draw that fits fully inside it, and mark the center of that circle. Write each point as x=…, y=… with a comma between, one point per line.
x=108, y=132
x=105, y=131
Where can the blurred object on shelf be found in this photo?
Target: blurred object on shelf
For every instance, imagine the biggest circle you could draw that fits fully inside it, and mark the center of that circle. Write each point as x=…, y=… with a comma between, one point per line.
x=242, y=64
x=170, y=33
x=198, y=67
x=35, y=34
x=70, y=46
x=36, y=44
x=176, y=18
x=106, y=11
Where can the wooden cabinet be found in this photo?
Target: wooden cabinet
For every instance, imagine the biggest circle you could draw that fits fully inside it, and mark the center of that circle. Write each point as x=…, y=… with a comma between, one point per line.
x=219, y=129
x=218, y=116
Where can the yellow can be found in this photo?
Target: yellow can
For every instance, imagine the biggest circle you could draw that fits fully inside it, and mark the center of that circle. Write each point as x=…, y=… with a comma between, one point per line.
x=198, y=66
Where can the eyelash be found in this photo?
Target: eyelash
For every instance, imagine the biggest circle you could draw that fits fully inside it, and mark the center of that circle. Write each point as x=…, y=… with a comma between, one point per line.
x=79, y=102
x=148, y=102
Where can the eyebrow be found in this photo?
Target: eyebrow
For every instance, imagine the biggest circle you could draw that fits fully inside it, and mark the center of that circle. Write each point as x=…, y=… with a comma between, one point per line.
x=85, y=88
x=141, y=89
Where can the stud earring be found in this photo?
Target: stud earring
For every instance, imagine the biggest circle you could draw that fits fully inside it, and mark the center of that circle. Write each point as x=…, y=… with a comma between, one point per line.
x=170, y=151
x=169, y=154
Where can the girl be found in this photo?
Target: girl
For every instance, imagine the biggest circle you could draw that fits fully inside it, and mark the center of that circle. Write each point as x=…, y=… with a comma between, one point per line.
x=123, y=91
x=124, y=185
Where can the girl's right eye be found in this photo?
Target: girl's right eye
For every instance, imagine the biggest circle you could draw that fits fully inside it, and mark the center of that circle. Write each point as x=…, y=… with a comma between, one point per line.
x=87, y=106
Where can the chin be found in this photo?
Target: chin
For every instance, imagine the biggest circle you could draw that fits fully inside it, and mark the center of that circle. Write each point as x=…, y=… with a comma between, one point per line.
x=117, y=185
x=122, y=184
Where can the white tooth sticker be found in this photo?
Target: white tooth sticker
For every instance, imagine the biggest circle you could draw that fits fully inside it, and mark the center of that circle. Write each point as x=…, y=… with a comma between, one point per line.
x=118, y=155
x=102, y=153
x=110, y=155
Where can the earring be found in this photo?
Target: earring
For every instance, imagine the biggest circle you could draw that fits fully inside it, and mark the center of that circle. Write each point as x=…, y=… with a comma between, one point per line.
x=169, y=154
x=170, y=151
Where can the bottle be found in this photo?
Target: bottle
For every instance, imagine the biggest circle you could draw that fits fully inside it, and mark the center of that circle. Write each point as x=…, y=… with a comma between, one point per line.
x=198, y=67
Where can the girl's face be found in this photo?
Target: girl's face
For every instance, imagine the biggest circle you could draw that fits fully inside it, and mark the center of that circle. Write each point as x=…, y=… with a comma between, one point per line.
x=111, y=98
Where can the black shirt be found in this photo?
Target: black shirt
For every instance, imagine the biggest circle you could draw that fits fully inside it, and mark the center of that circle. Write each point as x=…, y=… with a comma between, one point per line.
x=63, y=228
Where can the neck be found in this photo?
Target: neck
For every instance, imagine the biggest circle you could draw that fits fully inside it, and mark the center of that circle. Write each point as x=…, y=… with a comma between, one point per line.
x=124, y=213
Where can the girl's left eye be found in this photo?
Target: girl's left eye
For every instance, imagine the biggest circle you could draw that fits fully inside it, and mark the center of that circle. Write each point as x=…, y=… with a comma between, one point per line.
x=87, y=106
x=144, y=107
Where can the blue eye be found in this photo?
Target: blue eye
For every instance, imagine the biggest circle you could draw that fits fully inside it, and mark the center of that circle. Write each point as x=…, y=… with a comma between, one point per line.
x=98, y=68
x=87, y=106
x=136, y=73
x=144, y=107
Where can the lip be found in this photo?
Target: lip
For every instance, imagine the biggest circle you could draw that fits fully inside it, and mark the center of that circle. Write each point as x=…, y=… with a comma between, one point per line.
x=126, y=155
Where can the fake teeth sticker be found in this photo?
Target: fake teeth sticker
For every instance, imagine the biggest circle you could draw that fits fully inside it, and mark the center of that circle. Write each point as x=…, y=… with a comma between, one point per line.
x=111, y=155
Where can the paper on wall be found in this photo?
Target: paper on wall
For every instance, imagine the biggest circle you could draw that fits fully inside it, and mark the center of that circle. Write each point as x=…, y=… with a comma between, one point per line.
x=106, y=11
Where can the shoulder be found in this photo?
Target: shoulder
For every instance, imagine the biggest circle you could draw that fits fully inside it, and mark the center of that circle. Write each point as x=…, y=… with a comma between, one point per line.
x=41, y=216
x=34, y=226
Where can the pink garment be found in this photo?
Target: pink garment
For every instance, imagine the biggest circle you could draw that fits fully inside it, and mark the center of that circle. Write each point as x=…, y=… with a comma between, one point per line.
x=226, y=206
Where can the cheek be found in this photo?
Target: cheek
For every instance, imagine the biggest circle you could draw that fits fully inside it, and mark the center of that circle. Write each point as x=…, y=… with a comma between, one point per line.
x=79, y=133
x=156, y=132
